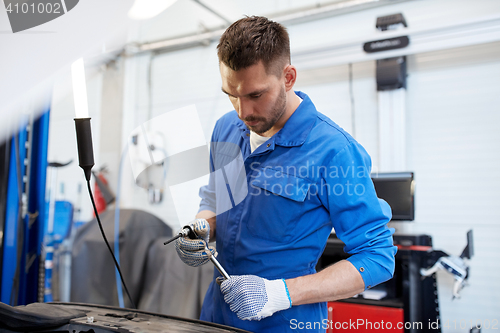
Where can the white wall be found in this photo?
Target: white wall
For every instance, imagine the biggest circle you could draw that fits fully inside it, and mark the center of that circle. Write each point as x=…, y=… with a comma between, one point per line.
x=454, y=136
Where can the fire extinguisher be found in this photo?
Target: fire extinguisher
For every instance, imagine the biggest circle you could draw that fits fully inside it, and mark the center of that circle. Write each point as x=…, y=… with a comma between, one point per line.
x=103, y=195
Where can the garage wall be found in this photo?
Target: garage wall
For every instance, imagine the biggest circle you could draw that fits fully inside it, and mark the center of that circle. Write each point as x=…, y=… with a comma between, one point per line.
x=178, y=79
x=454, y=136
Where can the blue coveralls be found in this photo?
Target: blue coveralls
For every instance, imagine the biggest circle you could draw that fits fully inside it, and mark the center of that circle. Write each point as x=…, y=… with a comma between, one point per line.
x=307, y=178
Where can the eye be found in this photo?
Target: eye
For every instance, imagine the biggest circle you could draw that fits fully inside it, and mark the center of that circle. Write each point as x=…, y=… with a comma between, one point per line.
x=255, y=96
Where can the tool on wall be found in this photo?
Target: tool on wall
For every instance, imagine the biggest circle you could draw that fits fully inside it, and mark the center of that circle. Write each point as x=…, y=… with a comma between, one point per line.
x=149, y=160
x=456, y=266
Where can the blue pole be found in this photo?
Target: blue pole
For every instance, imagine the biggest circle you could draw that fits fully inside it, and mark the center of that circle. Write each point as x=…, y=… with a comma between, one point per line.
x=10, y=240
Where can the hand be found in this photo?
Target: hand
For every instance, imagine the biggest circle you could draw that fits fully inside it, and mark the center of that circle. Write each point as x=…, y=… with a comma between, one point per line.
x=193, y=252
x=253, y=298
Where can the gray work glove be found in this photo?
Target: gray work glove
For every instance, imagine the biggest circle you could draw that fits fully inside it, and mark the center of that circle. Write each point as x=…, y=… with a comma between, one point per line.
x=196, y=252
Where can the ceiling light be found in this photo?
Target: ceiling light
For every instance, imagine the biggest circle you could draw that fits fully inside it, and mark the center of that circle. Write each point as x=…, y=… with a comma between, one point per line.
x=146, y=9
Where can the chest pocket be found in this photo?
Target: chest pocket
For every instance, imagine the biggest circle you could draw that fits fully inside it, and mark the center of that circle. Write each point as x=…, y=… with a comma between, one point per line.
x=277, y=204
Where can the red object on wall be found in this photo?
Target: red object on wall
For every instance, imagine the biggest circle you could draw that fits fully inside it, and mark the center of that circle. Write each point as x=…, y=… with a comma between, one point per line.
x=100, y=202
x=360, y=318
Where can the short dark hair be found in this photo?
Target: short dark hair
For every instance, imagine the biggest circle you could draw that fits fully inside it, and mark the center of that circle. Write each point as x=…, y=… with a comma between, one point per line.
x=253, y=39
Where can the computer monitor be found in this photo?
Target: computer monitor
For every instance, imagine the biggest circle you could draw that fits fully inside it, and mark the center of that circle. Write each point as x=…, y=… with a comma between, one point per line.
x=397, y=189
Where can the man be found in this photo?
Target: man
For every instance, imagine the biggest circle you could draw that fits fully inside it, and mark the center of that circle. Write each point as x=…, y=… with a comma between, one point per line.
x=304, y=175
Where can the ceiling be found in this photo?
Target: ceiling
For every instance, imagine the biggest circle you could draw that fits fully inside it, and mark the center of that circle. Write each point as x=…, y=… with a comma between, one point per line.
x=97, y=30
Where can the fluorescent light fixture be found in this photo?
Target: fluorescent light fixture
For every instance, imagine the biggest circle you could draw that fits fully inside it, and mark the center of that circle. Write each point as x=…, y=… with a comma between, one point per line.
x=80, y=89
x=146, y=9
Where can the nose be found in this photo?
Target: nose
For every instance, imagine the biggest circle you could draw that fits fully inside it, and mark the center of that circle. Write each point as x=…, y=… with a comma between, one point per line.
x=244, y=108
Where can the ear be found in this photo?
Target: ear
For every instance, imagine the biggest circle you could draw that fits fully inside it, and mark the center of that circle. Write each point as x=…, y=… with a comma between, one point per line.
x=290, y=75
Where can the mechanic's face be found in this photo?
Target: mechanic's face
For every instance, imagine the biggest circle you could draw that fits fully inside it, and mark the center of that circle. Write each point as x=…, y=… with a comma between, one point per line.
x=259, y=98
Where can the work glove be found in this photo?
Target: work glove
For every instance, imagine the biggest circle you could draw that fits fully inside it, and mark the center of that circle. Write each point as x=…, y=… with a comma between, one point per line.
x=253, y=298
x=196, y=252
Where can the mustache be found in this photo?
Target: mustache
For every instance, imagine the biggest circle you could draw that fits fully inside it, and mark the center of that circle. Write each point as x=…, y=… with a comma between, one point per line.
x=252, y=119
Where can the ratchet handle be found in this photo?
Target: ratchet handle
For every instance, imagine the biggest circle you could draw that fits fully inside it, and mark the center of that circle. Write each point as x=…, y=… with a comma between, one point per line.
x=217, y=265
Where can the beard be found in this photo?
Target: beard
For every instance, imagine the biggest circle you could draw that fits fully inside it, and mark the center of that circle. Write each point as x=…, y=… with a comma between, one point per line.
x=277, y=111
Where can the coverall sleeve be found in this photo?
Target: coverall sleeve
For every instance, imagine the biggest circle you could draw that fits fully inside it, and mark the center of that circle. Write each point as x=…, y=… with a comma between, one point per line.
x=359, y=217
x=207, y=195
x=207, y=192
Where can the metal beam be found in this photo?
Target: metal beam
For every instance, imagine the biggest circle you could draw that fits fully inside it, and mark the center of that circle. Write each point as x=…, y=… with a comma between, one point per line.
x=213, y=11
x=301, y=16
x=432, y=38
